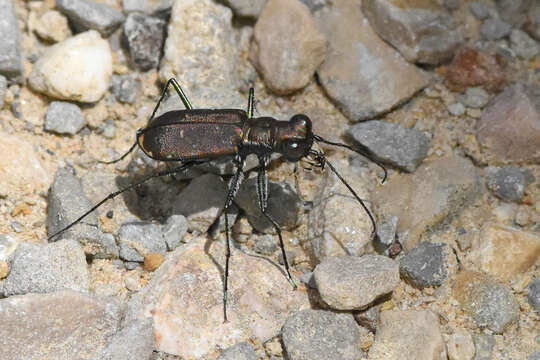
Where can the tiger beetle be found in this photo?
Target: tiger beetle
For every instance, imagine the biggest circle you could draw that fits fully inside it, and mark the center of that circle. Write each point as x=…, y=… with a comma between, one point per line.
x=194, y=136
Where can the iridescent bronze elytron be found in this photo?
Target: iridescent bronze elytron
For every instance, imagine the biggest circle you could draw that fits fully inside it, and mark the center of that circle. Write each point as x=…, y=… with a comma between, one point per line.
x=193, y=136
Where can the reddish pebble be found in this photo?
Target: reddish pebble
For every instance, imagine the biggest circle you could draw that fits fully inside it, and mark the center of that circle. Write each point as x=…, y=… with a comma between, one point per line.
x=152, y=261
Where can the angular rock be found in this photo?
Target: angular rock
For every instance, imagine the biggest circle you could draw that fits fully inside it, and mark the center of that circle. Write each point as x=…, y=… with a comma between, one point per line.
x=283, y=205
x=185, y=298
x=359, y=91
x=472, y=67
x=495, y=29
x=504, y=252
x=248, y=8
x=66, y=202
x=206, y=72
x=137, y=239
x=479, y=10
x=201, y=201
x=507, y=183
x=423, y=32
x=91, y=15
x=64, y=118
x=484, y=344
x=392, y=143
x=533, y=295
x=265, y=245
x=77, y=69
x=125, y=88
x=52, y=26
x=144, y=37
x=437, y=191
x=321, y=335
x=522, y=44
x=509, y=129
x=37, y=268
x=11, y=59
x=428, y=264
x=134, y=342
x=241, y=351
x=56, y=326
x=415, y=333
x=352, y=283
x=173, y=231
x=386, y=234
x=489, y=302
x=287, y=46
x=461, y=345
x=8, y=245
x=155, y=7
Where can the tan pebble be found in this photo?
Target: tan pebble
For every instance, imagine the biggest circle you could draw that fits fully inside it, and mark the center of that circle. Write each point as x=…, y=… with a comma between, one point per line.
x=152, y=261
x=4, y=269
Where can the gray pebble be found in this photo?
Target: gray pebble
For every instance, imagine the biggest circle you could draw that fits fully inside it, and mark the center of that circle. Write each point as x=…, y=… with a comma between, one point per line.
x=131, y=265
x=11, y=60
x=38, y=268
x=125, y=88
x=456, y=109
x=534, y=356
x=240, y=351
x=452, y=4
x=308, y=279
x=64, y=118
x=87, y=14
x=534, y=295
x=352, y=283
x=144, y=37
x=136, y=239
x=134, y=342
x=109, y=129
x=483, y=344
x=392, y=143
x=3, y=89
x=265, y=245
x=147, y=7
x=291, y=255
x=475, y=97
x=479, y=10
x=248, y=8
x=315, y=5
x=386, y=234
x=321, y=335
x=426, y=265
x=16, y=226
x=173, y=230
x=495, y=29
x=507, y=183
x=523, y=45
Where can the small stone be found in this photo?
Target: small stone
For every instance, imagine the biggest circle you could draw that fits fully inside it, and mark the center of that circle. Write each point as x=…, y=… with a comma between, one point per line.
x=479, y=10
x=138, y=239
x=64, y=118
x=484, y=344
x=352, y=283
x=4, y=269
x=533, y=294
x=173, y=230
x=513, y=11
x=428, y=264
x=241, y=351
x=532, y=24
x=144, y=38
x=523, y=45
x=287, y=45
x=134, y=342
x=475, y=97
x=291, y=255
x=11, y=59
x=247, y=8
x=77, y=69
x=400, y=331
x=152, y=261
x=507, y=183
x=156, y=7
x=489, y=302
x=495, y=29
x=109, y=129
x=315, y=5
x=456, y=109
x=461, y=345
x=534, y=356
x=329, y=336
x=386, y=234
x=52, y=26
x=452, y=4
x=392, y=143
x=91, y=15
x=265, y=245
x=283, y=205
x=125, y=88
x=3, y=89
x=37, y=268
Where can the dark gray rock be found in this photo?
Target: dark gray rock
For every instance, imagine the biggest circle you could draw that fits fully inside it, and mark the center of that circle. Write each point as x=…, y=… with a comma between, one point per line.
x=136, y=239
x=174, y=230
x=265, y=245
x=507, y=183
x=428, y=264
x=134, y=342
x=64, y=118
x=240, y=351
x=475, y=97
x=283, y=205
x=125, y=88
x=38, y=268
x=483, y=344
x=59, y=325
x=352, y=283
x=533, y=295
x=87, y=14
x=11, y=60
x=392, y=143
x=495, y=29
x=3, y=89
x=219, y=225
x=479, y=10
x=321, y=335
x=144, y=36
x=66, y=203
x=452, y=4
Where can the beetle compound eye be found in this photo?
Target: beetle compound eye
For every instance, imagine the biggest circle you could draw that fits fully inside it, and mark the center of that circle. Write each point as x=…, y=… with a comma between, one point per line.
x=293, y=145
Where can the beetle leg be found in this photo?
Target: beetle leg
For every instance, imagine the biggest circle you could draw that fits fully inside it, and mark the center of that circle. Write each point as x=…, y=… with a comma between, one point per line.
x=262, y=195
x=233, y=189
x=251, y=100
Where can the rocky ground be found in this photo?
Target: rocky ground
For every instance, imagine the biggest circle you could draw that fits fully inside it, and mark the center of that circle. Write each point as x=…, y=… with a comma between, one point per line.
x=445, y=93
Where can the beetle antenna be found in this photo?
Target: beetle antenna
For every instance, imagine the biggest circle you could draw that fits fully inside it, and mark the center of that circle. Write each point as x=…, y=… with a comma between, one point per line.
x=359, y=149
x=121, y=157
